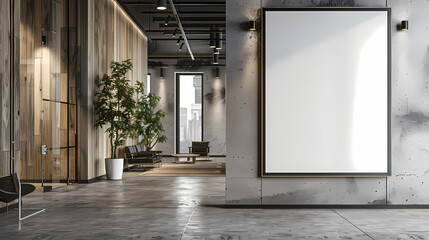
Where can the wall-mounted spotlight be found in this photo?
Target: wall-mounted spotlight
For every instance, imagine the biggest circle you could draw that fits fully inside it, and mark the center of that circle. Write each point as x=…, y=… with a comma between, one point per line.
x=161, y=72
x=217, y=72
x=218, y=40
x=178, y=41
x=161, y=5
x=181, y=46
x=44, y=40
x=216, y=51
x=404, y=25
x=252, y=25
x=212, y=37
x=215, y=59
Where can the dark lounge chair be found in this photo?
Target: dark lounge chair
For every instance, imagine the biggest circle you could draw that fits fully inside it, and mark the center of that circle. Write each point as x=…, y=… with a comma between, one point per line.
x=201, y=148
x=135, y=155
x=9, y=189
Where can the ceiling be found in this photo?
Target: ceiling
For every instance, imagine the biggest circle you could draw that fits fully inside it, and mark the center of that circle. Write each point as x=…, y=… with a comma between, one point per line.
x=197, y=16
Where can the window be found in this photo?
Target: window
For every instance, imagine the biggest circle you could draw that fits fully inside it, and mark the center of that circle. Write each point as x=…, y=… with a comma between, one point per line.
x=189, y=110
x=148, y=84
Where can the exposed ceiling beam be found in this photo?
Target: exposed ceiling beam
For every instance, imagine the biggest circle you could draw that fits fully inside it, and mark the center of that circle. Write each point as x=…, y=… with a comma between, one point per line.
x=192, y=19
x=182, y=57
x=187, y=31
x=182, y=13
x=184, y=3
x=193, y=25
x=175, y=39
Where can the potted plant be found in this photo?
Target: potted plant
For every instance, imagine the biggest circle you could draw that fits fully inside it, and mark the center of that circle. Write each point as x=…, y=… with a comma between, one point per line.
x=147, y=122
x=114, y=108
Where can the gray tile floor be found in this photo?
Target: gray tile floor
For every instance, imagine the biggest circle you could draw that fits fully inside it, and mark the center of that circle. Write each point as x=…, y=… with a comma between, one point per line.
x=176, y=208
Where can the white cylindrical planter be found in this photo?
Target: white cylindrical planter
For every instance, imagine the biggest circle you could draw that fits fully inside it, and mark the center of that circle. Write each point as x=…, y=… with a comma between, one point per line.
x=114, y=168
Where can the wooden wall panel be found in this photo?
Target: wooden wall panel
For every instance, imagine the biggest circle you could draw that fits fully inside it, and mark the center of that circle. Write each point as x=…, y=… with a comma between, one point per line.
x=5, y=76
x=111, y=36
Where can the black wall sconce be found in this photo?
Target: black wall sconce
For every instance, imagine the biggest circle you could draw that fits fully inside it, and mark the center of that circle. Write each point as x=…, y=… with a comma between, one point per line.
x=252, y=25
x=44, y=40
x=217, y=72
x=404, y=25
x=161, y=72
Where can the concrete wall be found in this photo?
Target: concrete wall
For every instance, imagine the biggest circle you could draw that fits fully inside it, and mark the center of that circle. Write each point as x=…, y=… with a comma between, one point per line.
x=409, y=183
x=214, y=121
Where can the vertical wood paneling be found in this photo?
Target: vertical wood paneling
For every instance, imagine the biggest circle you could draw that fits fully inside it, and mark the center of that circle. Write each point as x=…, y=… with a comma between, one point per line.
x=5, y=75
x=111, y=37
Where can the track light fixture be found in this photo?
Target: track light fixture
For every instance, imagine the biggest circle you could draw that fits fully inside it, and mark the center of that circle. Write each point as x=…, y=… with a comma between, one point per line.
x=215, y=59
x=166, y=20
x=404, y=25
x=218, y=40
x=212, y=37
x=216, y=51
x=174, y=33
x=181, y=46
x=161, y=5
x=178, y=41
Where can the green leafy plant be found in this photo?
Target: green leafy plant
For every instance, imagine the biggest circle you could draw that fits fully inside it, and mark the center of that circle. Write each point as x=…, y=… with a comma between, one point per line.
x=148, y=121
x=115, y=104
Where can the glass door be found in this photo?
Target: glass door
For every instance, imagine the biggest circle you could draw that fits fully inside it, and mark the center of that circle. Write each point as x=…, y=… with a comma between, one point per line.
x=58, y=106
x=48, y=113
x=189, y=110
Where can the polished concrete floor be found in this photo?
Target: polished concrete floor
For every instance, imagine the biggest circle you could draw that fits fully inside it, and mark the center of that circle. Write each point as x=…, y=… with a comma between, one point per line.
x=141, y=207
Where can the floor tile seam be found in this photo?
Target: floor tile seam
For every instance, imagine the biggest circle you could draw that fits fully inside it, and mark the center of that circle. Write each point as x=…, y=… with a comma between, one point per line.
x=187, y=224
x=352, y=224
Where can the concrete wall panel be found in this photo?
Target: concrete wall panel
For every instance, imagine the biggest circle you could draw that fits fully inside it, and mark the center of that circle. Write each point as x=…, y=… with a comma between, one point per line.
x=409, y=183
x=410, y=120
x=242, y=183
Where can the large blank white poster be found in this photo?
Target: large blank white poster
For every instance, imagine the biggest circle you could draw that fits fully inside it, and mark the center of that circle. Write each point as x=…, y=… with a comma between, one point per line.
x=326, y=92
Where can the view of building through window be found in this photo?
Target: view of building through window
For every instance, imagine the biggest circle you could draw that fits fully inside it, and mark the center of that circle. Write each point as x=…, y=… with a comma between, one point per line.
x=190, y=110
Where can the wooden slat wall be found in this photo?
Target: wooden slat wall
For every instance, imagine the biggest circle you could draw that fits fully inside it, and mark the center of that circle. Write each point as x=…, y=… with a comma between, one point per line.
x=5, y=74
x=111, y=36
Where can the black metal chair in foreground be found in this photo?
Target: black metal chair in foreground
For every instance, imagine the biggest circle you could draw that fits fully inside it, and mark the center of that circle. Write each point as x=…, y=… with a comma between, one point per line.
x=11, y=189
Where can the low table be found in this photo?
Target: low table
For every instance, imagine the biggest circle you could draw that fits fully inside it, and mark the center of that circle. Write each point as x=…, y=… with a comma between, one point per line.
x=185, y=155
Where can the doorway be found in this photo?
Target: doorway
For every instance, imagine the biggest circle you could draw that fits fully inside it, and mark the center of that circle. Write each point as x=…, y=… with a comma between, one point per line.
x=48, y=112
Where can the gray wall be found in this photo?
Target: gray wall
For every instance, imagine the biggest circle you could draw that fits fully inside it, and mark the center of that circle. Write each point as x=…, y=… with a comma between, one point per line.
x=214, y=120
x=409, y=183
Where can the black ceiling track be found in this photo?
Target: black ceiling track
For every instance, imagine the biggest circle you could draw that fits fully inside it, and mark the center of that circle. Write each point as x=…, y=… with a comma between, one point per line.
x=180, y=3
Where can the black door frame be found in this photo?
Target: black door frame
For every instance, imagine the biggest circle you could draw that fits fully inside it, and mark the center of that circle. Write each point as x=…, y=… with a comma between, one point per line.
x=177, y=114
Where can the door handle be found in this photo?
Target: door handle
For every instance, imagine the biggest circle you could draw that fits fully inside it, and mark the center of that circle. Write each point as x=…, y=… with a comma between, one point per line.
x=44, y=149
